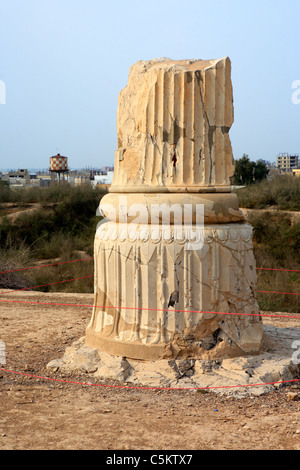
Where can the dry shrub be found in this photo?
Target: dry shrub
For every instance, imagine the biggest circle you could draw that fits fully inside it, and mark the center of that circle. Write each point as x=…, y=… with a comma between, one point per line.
x=282, y=191
x=12, y=264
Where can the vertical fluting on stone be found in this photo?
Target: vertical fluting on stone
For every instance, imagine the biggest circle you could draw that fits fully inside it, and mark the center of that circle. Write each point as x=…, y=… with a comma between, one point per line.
x=158, y=297
x=140, y=282
x=181, y=114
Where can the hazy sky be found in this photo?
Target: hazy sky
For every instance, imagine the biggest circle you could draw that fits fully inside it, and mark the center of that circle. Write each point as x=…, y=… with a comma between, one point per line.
x=64, y=62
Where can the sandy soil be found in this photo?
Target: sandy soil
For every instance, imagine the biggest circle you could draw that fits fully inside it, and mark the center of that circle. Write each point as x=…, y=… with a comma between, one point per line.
x=45, y=414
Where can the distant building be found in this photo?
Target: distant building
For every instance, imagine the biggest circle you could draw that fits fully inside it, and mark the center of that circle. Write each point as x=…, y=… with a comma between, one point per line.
x=18, y=174
x=44, y=180
x=107, y=168
x=104, y=177
x=18, y=178
x=81, y=179
x=24, y=178
x=287, y=163
x=296, y=172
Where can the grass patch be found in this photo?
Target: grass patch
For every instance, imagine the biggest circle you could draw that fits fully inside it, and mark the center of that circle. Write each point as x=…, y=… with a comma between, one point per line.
x=82, y=273
x=276, y=244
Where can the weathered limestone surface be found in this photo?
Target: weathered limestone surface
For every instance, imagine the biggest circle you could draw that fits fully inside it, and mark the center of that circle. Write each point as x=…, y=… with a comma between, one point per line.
x=155, y=296
x=177, y=112
x=218, y=208
x=135, y=279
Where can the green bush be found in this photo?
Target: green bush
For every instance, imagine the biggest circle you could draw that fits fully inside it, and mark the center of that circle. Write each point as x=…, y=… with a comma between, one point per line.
x=249, y=172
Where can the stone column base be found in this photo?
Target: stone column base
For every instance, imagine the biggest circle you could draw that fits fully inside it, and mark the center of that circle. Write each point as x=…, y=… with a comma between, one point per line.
x=167, y=298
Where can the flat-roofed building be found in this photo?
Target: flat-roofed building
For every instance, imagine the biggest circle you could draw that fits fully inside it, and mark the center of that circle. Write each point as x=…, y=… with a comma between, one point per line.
x=296, y=172
x=287, y=163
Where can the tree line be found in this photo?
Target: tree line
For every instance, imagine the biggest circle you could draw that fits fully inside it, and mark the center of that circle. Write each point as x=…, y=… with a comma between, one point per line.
x=248, y=172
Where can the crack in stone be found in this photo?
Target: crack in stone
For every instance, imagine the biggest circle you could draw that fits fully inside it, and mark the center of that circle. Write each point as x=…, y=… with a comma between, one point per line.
x=228, y=297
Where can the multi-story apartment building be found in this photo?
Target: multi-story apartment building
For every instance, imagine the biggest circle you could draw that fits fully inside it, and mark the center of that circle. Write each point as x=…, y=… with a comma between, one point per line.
x=287, y=163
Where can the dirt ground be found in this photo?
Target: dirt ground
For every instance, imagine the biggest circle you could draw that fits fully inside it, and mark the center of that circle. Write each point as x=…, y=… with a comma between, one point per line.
x=42, y=414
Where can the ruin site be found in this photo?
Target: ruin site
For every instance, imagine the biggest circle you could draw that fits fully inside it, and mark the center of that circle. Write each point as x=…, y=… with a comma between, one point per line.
x=171, y=351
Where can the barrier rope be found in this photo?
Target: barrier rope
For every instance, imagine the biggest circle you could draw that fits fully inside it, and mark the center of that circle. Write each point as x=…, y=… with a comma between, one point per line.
x=44, y=285
x=45, y=265
x=104, y=307
x=135, y=387
x=91, y=275
x=279, y=269
x=90, y=259
x=274, y=292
